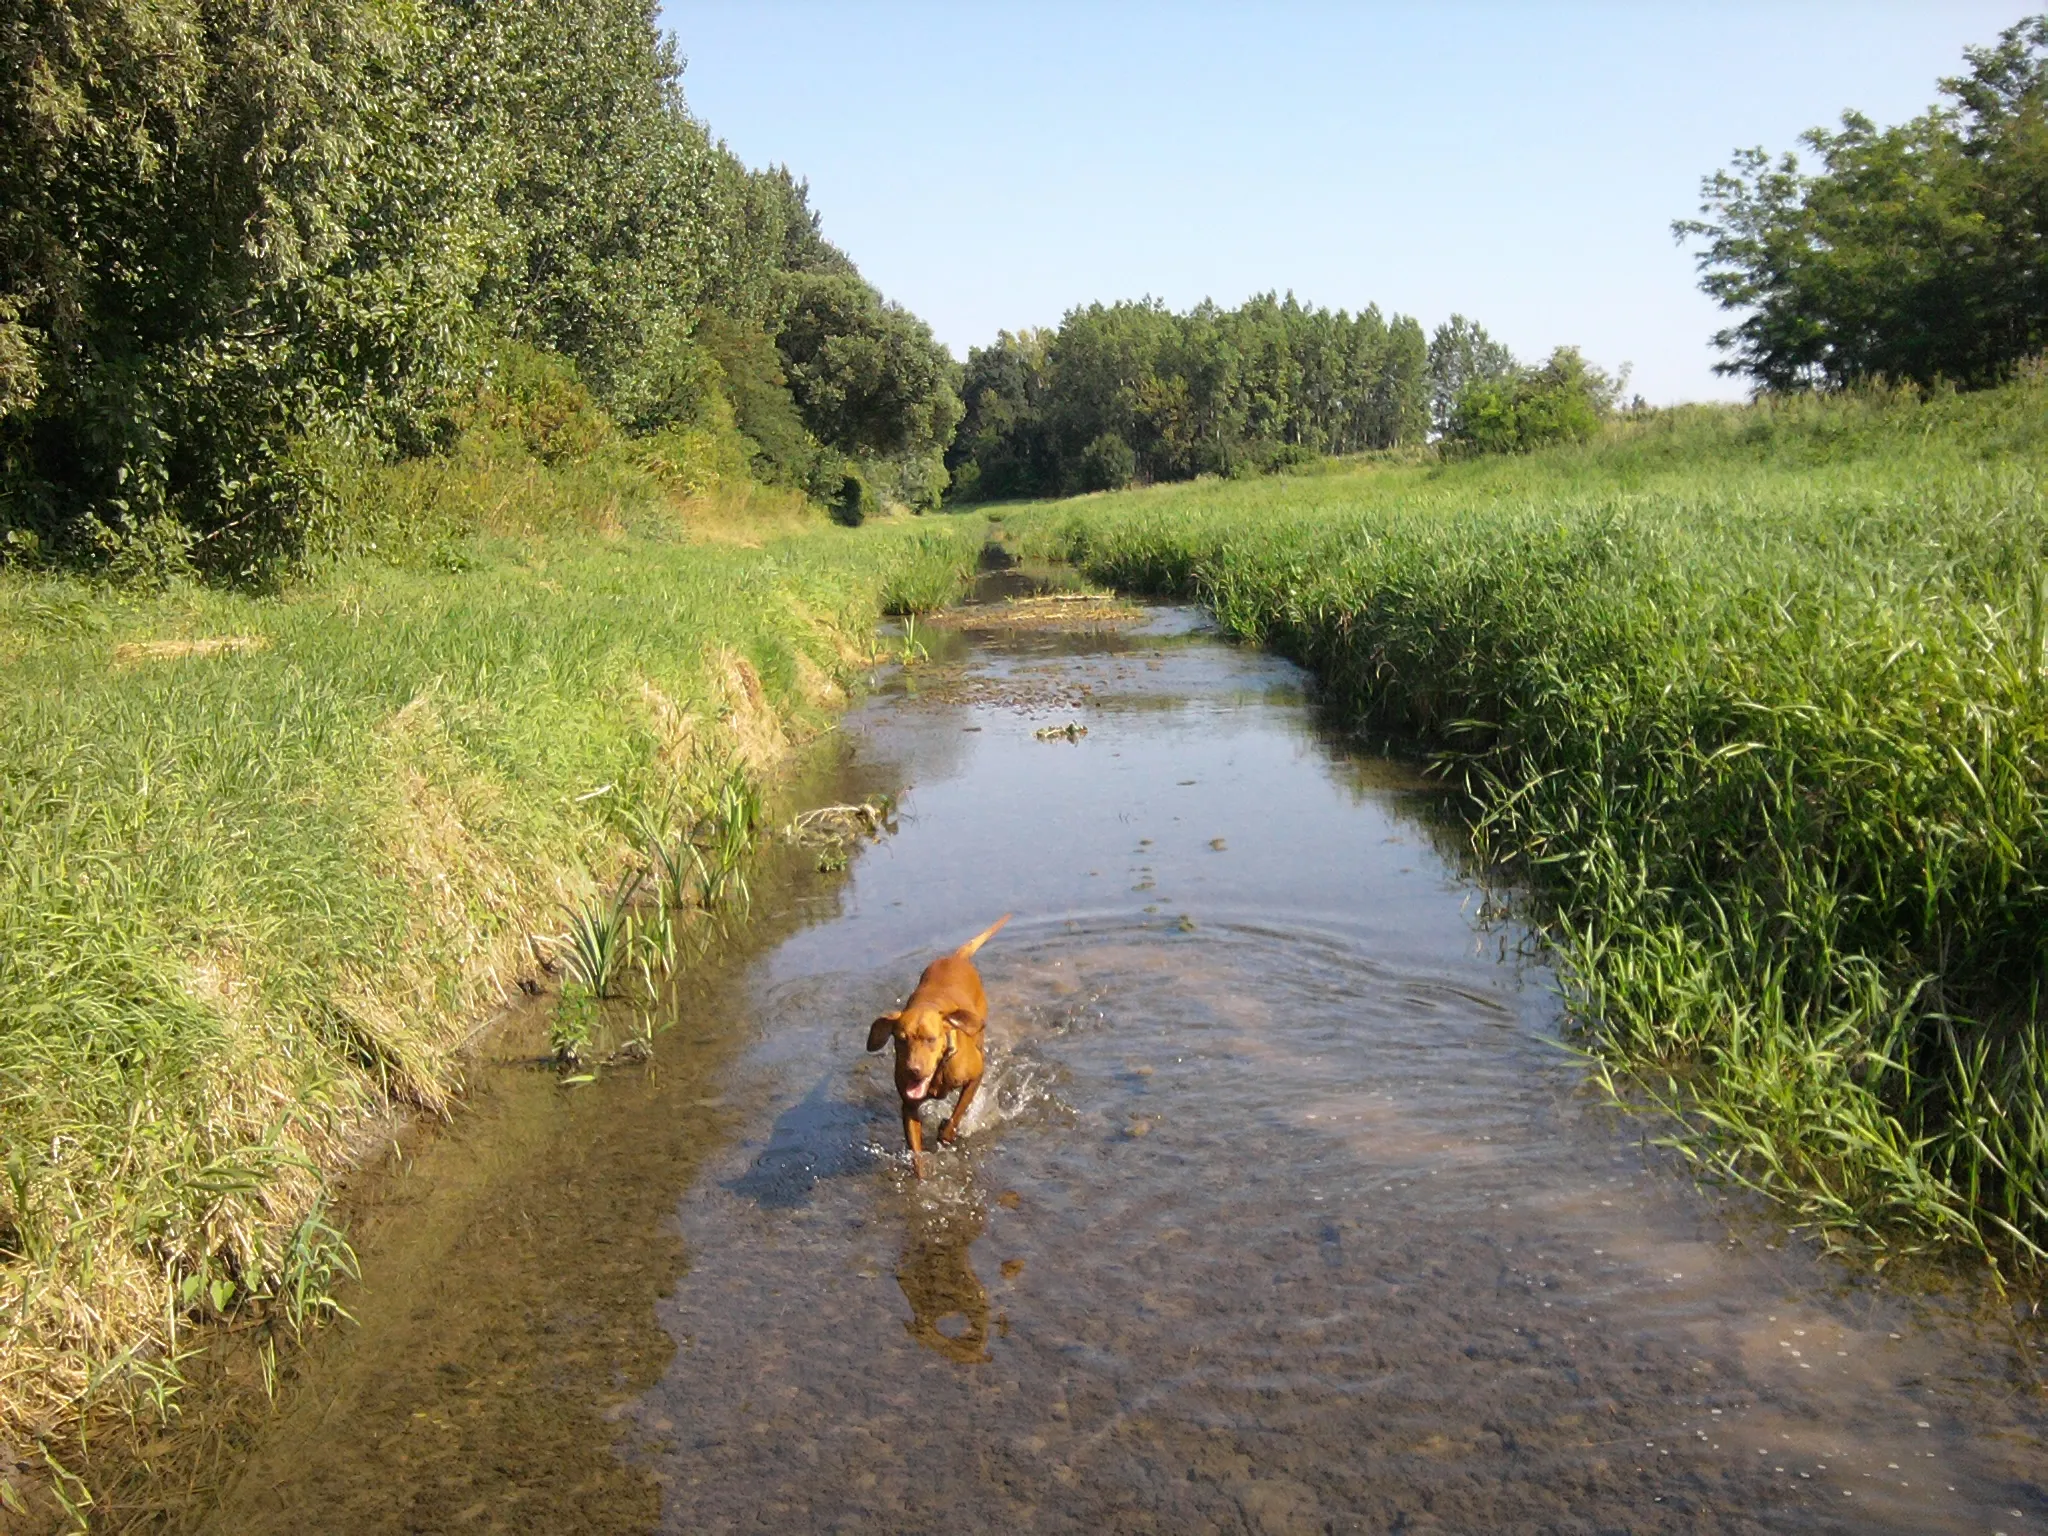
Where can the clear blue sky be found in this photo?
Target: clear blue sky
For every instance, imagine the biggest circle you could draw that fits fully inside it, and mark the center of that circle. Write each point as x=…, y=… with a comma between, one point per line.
x=991, y=166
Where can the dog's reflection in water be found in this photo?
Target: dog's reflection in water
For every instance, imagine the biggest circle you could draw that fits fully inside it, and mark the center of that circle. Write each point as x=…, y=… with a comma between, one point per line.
x=948, y=1304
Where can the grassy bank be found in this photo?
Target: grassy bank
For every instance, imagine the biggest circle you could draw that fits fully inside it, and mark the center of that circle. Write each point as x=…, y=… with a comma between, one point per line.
x=1757, y=699
x=267, y=860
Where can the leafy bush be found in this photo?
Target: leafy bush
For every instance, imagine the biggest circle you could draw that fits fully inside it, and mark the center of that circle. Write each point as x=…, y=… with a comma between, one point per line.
x=540, y=399
x=856, y=501
x=1564, y=401
x=1107, y=464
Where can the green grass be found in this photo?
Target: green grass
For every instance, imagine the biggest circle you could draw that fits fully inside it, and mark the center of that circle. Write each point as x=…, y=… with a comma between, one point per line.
x=253, y=891
x=1755, y=701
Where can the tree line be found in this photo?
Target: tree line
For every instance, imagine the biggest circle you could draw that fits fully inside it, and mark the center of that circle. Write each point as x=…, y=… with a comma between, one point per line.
x=228, y=232
x=1135, y=392
x=233, y=238
x=1914, y=253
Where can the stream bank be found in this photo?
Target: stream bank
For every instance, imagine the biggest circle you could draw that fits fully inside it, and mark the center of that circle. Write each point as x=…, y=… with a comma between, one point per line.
x=1283, y=1208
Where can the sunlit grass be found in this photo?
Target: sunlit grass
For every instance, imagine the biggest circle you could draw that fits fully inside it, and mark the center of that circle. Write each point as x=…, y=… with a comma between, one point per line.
x=1757, y=701
x=252, y=892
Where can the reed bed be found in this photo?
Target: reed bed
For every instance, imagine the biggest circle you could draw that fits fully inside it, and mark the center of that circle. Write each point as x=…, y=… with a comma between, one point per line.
x=266, y=861
x=1755, y=702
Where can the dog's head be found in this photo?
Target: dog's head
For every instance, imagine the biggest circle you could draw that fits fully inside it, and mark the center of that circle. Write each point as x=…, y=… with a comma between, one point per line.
x=922, y=1039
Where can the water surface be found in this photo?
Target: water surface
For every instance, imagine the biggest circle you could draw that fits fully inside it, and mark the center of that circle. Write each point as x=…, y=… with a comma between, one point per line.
x=1282, y=1209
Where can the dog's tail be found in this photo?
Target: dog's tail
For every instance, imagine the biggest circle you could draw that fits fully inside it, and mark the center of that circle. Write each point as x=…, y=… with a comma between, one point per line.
x=981, y=938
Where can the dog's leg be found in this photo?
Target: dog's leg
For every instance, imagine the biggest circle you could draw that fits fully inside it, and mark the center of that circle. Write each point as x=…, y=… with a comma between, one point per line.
x=950, y=1131
x=913, y=1136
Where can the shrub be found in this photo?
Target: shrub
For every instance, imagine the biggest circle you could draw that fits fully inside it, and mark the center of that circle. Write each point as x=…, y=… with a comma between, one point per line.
x=1107, y=464
x=856, y=501
x=1564, y=401
x=540, y=398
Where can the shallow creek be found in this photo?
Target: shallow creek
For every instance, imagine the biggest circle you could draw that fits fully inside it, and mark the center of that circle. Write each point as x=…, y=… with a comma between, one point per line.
x=1282, y=1208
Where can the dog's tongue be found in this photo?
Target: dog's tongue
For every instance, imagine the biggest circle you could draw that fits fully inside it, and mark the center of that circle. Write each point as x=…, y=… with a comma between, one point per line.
x=916, y=1090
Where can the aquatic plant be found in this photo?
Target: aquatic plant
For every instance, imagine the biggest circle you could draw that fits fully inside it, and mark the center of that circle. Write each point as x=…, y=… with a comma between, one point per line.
x=910, y=649
x=930, y=582
x=572, y=1024
x=601, y=936
x=724, y=839
x=658, y=942
x=675, y=865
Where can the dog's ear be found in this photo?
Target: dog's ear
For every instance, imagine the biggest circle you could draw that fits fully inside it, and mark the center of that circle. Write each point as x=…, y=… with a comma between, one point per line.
x=881, y=1029
x=960, y=1018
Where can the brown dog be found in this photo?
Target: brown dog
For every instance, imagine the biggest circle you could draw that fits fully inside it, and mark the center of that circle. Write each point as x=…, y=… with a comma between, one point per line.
x=938, y=1040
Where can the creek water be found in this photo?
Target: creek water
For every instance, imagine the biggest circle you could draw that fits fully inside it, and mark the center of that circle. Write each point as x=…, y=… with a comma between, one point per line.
x=1282, y=1209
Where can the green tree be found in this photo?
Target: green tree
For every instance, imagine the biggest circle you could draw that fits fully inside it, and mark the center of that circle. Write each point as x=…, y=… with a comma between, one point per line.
x=175, y=179
x=867, y=375
x=1106, y=464
x=1398, y=403
x=1563, y=401
x=1915, y=252
x=1212, y=391
x=785, y=451
x=613, y=193
x=1462, y=354
x=1003, y=448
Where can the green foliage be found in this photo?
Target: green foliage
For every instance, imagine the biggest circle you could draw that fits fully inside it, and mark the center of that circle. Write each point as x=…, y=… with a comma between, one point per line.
x=1270, y=385
x=867, y=375
x=1462, y=355
x=265, y=860
x=856, y=501
x=928, y=584
x=750, y=366
x=539, y=398
x=917, y=478
x=572, y=1024
x=1754, y=699
x=178, y=185
x=724, y=837
x=236, y=242
x=1909, y=253
x=1564, y=401
x=1107, y=464
x=606, y=185
x=1004, y=447
x=601, y=937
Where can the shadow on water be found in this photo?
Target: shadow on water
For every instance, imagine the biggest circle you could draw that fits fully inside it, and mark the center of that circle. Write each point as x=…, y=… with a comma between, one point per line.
x=812, y=1140
x=1281, y=1209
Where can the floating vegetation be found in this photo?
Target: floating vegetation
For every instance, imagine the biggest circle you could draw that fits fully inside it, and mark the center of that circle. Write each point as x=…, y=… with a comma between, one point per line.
x=834, y=829
x=1074, y=612
x=1073, y=730
x=839, y=823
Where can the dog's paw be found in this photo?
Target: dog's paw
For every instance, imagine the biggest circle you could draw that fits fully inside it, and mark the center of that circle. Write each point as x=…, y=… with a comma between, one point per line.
x=948, y=1134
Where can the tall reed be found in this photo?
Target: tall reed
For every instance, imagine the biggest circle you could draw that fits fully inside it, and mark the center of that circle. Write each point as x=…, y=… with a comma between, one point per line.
x=1757, y=700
